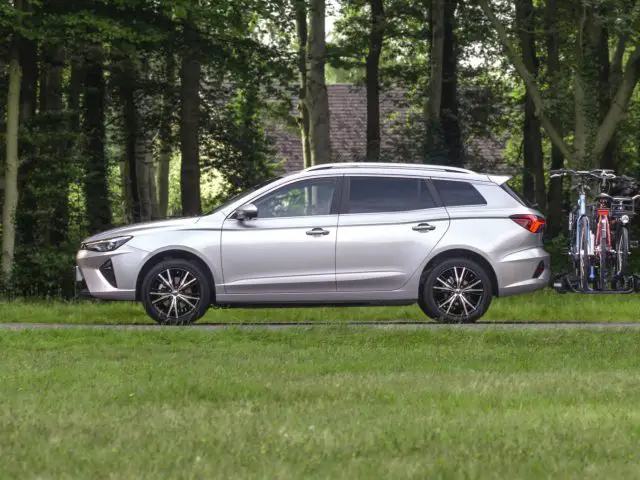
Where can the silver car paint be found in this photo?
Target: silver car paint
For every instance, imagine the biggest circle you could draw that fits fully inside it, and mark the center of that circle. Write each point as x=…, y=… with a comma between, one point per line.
x=365, y=257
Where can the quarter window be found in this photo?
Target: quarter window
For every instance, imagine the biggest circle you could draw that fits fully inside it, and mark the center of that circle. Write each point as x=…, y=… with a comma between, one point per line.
x=388, y=194
x=299, y=199
x=456, y=194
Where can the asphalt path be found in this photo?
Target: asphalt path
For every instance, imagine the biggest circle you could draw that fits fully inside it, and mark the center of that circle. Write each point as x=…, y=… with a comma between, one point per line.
x=389, y=325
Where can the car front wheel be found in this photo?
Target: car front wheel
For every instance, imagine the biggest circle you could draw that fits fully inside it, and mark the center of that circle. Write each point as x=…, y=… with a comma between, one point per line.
x=456, y=291
x=176, y=292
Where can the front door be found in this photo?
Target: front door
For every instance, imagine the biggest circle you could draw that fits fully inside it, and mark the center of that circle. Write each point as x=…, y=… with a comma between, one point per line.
x=387, y=229
x=290, y=247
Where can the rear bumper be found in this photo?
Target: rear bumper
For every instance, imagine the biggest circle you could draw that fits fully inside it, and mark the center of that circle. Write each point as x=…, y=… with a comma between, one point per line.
x=518, y=272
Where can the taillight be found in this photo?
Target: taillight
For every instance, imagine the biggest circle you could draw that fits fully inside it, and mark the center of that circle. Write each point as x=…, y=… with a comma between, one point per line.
x=533, y=223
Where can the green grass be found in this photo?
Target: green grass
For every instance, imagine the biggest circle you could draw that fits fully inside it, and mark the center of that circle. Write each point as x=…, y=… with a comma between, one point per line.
x=320, y=403
x=541, y=306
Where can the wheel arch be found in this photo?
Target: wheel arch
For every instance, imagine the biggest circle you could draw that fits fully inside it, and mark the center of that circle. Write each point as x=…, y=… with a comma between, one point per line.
x=461, y=253
x=174, y=254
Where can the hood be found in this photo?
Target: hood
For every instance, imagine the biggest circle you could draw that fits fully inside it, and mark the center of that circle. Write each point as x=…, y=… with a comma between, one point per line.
x=143, y=227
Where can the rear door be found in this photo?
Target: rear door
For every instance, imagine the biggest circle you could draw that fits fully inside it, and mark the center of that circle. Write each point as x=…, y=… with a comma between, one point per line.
x=388, y=225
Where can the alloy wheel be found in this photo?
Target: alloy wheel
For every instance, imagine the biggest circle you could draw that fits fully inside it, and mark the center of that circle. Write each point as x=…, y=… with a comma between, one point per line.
x=458, y=292
x=175, y=293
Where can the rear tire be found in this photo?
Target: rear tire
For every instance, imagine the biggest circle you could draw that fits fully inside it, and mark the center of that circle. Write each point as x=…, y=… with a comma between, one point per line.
x=622, y=251
x=176, y=292
x=456, y=290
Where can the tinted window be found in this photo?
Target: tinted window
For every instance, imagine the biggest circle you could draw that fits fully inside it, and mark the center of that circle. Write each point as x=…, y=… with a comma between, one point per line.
x=455, y=194
x=299, y=199
x=383, y=194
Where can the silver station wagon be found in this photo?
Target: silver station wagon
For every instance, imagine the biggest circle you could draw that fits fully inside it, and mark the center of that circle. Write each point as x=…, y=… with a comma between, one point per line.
x=446, y=238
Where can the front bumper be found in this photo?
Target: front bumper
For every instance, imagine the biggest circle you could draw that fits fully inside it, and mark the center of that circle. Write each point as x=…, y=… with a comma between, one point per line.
x=109, y=275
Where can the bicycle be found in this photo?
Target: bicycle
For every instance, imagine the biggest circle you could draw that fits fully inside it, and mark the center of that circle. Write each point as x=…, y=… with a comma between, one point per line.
x=580, y=245
x=622, y=211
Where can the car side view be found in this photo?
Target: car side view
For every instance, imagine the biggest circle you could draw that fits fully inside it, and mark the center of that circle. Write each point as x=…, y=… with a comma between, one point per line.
x=446, y=238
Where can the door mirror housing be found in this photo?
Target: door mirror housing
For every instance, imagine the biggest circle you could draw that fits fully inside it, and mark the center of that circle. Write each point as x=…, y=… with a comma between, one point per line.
x=247, y=212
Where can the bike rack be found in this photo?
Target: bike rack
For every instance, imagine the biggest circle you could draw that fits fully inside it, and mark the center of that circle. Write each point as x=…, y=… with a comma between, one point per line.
x=566, y=283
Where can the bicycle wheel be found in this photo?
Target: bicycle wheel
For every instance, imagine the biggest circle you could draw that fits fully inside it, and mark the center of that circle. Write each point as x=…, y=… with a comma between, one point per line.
x=602, y=270
x=622, y=251
x=583, y=254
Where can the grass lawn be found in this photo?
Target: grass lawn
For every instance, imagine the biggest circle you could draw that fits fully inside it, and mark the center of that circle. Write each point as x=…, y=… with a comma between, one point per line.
x=540, y=306
x=330, y=402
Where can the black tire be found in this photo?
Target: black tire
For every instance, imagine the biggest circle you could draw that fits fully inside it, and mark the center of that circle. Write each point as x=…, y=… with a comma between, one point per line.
x=583, y=255
x=192, y=299
x=440, y=286
x=604, y=255
x=622, y=251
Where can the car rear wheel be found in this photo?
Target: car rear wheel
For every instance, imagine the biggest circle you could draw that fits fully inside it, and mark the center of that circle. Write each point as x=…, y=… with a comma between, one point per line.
x=176, y=292
x=456, y=290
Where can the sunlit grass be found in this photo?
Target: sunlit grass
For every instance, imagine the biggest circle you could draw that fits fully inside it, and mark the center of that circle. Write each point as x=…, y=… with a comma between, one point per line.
x=319, y=403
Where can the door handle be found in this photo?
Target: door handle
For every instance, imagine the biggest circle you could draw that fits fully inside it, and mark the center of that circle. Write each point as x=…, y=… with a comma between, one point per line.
x=317, y=231
x=423, y=227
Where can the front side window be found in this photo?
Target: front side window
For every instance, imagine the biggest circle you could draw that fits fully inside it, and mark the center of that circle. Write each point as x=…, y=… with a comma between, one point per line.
x=299, y=199
x=457, y=194
x=388, y=194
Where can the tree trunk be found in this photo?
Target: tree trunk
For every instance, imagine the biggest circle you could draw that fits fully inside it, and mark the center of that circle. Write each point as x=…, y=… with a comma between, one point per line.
x=554, y=210
x=317, y=97
x=449, y=108
x=303, y=112
x=58, y=148
x=166, y=137
x=131, y=134
x=189, y=122
x=437, y=60
x=608, y=159
x=26, y=222
x=434, y=139
x=96, y=182
x=11, y=164
x=376, y=39
x=533, y=173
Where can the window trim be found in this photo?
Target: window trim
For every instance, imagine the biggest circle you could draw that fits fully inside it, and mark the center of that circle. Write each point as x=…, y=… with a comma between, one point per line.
x=336, y=201
x=346, y=192
x=473, y=205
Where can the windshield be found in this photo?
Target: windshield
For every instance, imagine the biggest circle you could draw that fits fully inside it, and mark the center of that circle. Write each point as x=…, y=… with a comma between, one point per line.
x=240, y=195
x=520, y=199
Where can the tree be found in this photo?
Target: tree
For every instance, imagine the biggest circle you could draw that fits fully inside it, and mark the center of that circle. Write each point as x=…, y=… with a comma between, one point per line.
x=376, y=39
x=449, y=113
x=589, y=142
x=166, y=136
x=317, y=99
x=190, y=72
x=533, y=174
x=11, y=160
x=300, y=8
x=97, y=190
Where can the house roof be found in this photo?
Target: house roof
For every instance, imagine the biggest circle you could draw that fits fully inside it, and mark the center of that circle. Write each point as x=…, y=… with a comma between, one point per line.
x=348, y=129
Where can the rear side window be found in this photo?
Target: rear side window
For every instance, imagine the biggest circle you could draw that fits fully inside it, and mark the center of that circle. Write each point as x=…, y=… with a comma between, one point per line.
x=515, y=195
x=388, y=194
x=458, y=194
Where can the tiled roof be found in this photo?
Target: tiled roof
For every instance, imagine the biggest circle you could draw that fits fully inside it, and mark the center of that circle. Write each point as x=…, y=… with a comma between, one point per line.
x=348, y=123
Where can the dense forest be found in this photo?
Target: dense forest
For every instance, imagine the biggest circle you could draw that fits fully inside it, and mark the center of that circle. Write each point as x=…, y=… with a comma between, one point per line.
x=119, y=111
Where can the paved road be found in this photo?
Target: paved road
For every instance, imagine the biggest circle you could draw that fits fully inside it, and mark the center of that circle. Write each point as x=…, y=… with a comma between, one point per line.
x=379, y=325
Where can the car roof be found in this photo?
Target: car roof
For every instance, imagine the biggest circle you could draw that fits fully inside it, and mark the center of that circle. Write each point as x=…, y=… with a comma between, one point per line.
x=443, y=171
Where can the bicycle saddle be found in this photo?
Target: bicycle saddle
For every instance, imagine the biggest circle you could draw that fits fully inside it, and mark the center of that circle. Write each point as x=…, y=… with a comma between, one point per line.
x=604, y=195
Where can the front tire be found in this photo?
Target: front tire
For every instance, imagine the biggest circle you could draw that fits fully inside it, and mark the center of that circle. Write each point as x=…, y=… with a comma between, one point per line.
x=622, y=251
x=457, y=290
x=176, y=292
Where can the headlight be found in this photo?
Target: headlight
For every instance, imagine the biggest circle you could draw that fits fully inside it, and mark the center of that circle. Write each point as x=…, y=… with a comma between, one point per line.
x=108, y=245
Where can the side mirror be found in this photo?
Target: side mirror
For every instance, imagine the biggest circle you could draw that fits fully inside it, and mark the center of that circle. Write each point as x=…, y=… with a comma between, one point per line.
x=247, y=212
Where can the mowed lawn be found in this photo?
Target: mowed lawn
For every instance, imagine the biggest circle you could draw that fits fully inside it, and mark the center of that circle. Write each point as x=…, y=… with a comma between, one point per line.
x=545, y=306
x=325, y=402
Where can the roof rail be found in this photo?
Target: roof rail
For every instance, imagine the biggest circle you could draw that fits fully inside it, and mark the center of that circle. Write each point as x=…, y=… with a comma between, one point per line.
x=413, y=166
